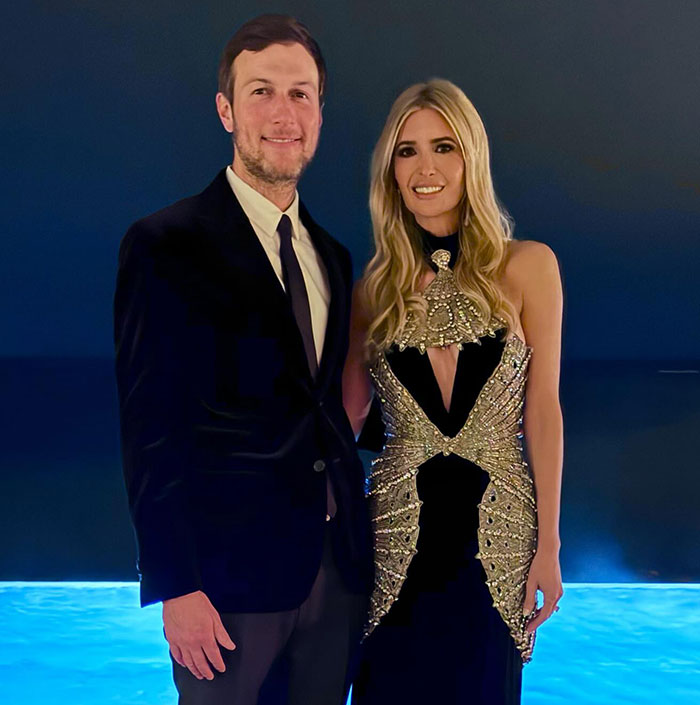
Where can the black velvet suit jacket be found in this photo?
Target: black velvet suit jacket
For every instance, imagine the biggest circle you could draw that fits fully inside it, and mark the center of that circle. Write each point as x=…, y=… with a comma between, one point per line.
x=226, y=439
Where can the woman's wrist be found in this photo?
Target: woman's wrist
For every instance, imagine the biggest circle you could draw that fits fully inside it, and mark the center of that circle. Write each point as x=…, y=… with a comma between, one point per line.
x=548, y=544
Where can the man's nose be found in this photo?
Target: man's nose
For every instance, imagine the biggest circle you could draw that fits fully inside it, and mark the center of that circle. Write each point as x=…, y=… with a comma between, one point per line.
x=282, y=110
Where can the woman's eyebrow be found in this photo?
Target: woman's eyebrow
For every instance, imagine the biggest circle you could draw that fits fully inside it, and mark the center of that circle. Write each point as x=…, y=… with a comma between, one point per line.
x=436, y=140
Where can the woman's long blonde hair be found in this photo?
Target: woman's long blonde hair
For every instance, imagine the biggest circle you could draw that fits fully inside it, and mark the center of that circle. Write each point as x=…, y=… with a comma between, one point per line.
x=390, y=285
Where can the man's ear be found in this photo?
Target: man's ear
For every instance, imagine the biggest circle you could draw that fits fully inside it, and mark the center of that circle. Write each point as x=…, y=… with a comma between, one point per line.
x=225, y=111
x=320, y=115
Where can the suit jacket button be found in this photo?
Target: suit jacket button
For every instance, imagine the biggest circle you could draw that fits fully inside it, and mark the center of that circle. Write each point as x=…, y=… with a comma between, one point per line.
x=320, y=465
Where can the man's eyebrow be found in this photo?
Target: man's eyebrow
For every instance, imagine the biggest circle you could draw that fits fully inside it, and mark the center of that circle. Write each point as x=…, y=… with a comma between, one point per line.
x=435, y=141
x=258, y=80
x=268, y=82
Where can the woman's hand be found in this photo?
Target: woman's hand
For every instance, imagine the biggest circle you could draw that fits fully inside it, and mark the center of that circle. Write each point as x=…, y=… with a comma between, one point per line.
x=545, y=575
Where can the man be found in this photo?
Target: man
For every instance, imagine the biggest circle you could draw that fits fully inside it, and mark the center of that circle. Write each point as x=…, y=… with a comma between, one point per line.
x=231, y=320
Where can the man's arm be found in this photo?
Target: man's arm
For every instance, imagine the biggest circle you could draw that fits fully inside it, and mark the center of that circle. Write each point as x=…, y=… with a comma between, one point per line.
x=152, y=380
x=153, y=365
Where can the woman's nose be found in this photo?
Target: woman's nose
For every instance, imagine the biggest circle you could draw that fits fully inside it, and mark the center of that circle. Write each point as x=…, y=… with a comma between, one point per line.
x=426, y=166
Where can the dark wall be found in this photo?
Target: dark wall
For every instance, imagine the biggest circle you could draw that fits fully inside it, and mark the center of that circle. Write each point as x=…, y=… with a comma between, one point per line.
x=592, y=109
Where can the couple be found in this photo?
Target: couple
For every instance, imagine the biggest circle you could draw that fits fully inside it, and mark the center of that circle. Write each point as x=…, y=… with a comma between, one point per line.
x=246, y=368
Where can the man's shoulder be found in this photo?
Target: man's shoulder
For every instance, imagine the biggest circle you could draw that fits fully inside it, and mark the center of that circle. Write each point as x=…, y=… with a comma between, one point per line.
x=341, y=250
x=338, y=248
x=181, y=215
x=160, y=229
x=341, y=255
x=174, y=223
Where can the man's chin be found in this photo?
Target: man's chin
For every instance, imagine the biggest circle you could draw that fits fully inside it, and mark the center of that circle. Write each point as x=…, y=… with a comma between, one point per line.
x=281, y=173
x=274, y=176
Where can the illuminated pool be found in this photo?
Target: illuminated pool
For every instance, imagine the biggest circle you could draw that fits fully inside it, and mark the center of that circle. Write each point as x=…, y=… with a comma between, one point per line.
x=90, y=644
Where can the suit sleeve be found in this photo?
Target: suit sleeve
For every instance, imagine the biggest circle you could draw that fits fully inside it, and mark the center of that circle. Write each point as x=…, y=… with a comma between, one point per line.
x=153, y=355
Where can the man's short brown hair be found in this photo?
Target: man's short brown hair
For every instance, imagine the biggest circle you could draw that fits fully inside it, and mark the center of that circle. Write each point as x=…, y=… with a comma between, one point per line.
x=256, y=35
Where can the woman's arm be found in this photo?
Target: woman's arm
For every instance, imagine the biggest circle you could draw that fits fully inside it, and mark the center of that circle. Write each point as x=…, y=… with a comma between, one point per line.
x=533, y=271
x=357, y=386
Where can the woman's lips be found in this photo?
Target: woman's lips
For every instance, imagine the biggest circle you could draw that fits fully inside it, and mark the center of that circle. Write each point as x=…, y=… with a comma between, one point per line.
x=427, y=191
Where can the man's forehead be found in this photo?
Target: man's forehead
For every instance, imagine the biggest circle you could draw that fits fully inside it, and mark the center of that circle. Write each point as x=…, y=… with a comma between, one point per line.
x=276, y=61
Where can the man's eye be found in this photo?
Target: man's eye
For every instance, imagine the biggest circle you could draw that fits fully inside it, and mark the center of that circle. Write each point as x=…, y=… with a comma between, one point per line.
x=405, y=152
x=260, y=91
x=300, y=94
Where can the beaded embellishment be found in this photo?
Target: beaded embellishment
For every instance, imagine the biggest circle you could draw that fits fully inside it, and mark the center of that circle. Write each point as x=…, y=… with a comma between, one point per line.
x=490, y=438
x=451, y=318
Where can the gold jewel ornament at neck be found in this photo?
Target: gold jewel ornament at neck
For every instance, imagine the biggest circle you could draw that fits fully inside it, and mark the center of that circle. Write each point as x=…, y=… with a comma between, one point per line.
x=450, y=318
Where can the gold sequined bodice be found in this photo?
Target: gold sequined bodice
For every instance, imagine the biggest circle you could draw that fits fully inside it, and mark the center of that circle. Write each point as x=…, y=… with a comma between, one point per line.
x=490, y=438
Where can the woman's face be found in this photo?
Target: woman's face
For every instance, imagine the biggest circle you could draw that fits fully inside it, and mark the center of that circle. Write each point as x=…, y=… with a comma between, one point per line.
x=429, y=169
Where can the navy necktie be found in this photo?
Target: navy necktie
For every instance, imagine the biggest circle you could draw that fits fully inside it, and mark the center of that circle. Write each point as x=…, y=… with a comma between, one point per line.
x=296, y=290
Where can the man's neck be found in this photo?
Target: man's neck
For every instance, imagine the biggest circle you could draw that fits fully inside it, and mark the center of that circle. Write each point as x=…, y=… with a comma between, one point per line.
x=281, y=194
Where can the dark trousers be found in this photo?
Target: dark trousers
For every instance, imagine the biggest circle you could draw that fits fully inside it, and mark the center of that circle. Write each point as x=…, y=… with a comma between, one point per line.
x=304, y=656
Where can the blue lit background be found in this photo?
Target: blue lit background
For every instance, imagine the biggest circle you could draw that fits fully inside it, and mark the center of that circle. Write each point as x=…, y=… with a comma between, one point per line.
x=87, y=643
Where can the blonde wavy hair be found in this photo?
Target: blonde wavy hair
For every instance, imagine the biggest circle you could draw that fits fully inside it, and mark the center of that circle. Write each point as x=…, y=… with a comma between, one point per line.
x=390, y=285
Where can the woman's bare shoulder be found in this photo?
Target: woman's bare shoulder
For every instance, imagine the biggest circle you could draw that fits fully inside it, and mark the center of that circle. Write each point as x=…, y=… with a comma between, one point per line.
x=526, y=252
x=528, y=258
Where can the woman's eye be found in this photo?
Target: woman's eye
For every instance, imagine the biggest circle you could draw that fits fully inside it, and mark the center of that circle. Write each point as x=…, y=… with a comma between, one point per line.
x=444, y=147
x=405, y=152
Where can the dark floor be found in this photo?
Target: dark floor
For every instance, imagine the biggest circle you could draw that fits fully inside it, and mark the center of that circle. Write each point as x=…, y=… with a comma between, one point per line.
x=631, y=482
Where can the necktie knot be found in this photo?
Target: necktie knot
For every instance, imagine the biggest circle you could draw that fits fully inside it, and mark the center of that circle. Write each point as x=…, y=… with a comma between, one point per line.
x=285, y=228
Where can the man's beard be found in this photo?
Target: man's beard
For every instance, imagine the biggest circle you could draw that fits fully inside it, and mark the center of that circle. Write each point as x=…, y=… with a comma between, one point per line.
x=258, y=168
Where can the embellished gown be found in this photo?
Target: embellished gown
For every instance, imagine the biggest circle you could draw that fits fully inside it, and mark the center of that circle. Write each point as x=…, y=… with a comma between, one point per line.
x=454, y=515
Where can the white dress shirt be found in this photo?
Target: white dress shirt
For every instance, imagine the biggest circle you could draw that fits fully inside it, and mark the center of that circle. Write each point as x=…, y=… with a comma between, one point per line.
x=265, y=216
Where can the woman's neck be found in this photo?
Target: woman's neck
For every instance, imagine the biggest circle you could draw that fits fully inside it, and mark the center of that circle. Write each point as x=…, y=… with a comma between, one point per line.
x=440, y=225
x=432, y=242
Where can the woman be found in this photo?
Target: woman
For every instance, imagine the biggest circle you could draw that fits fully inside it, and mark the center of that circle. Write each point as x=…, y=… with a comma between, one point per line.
x=450, y=319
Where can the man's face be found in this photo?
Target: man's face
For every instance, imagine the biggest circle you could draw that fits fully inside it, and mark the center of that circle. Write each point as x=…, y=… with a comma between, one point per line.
x=276, y=112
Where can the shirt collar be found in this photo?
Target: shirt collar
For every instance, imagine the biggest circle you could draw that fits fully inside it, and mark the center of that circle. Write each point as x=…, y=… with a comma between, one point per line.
x=261, y=212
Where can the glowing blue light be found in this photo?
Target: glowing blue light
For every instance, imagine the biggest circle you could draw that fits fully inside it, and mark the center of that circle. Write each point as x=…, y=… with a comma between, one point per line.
x=90, y=644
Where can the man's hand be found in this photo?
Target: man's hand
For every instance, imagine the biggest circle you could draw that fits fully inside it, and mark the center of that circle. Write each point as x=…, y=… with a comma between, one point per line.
x=193, y=628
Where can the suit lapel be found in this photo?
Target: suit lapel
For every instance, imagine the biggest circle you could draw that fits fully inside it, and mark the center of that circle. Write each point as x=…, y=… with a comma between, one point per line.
x=224, y=219
x=226, y=222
